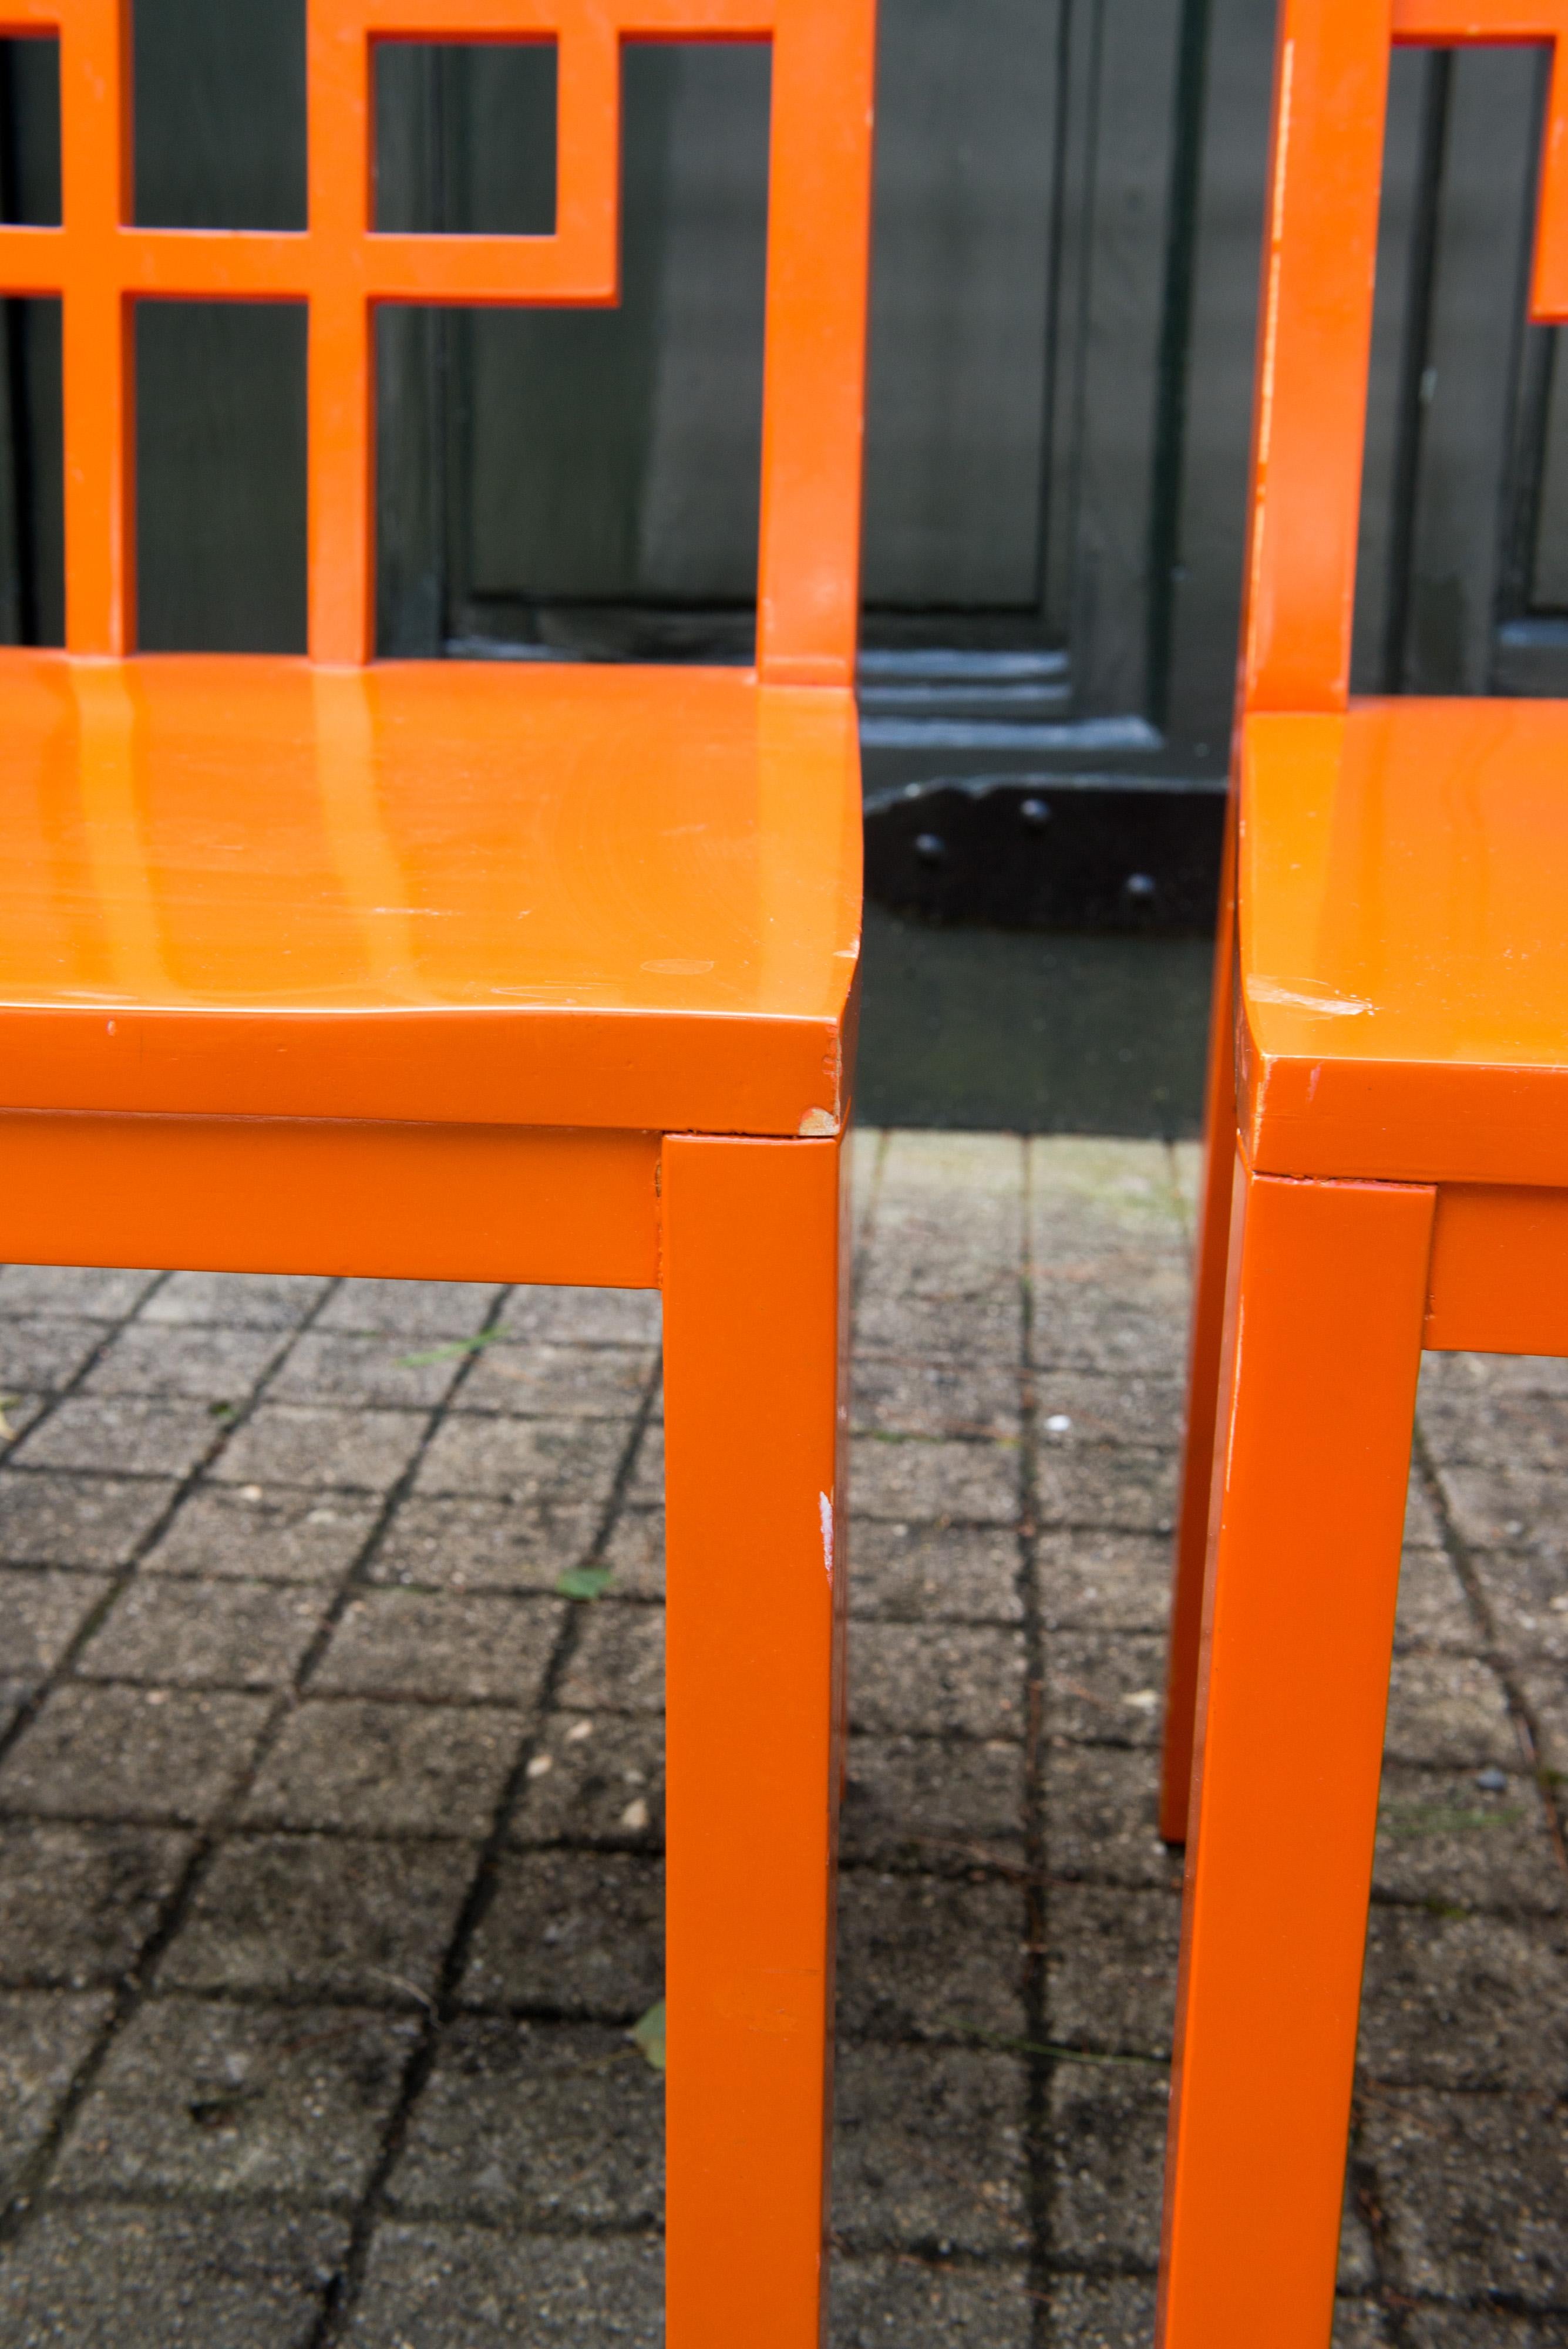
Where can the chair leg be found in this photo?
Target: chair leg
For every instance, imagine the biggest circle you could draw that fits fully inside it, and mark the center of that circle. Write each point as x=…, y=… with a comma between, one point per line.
x=1203, y=1379
x=753, y=1327
x=1330, y=1288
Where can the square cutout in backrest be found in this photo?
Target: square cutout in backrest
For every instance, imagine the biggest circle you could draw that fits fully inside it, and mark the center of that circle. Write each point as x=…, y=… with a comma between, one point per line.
x=30, y=131
x=32, y=473
x=466, y=136
x=220, y=476
x=1450, y=447
x=584, y=482
x=220, y=114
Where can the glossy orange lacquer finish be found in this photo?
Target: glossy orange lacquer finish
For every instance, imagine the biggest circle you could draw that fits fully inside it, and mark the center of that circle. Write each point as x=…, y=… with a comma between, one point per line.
x=1390, y=1061
x=752, y=1349
x=1404, y=954
x=534, y=972
x=560, y=895
x=1298, y=1625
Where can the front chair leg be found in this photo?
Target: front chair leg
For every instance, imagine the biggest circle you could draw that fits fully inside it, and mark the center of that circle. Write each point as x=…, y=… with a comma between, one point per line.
x=1328, y=1295
x=753, y=1332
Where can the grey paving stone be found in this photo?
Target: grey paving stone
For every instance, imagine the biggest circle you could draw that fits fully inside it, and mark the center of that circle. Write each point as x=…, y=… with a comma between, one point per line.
x=121, y=1435
x=1482, y=2328
x=932, y=1802
x=1101, y=1813
x=1527, y=1599
x=1507, y=1506
x=928, y=2151
x=1475, y=2191
x=956, y=1678
x=44, y=1355
x=900, y=2302
x=929, y=1956
x=1496, y=1373
x=595, y=1779
x=926, y=1241
x=1361, y=2324
x=40, y=1615
x=571, y=1934
x=618, y=1663
x=932, y=1573
x=463, y=1544
x=1100, y=1581
x=1101, y=2312
x=387, y=1769
x=257, y=1537
x=1546, y=1695
x=1129, y=1188
x=560, y=2124
x=247, y=1301
x=94, y=1293
x=200, y=1365
x=410, y=1308
x=940, y=1327
x=337, y=1366
x=539, y=1379
x=1187, y=1161
x=1443, y=1838
x=1433, y=1609
x=203, y=2097
x=1104, y=1688
x=441, y=1645
x=231, y=2278
x=77, y=1903
x=986, y=1171
x=594, y=1317
x=110, y=1751
x=222, y=1634
x=1478, y=1424
x=1082, y=1324
x=1422, y=1529
x=923, y=1251
x=916, y=1397
x=310, y=1916
x=1107, y=1485
x=1110, y=1967
x=634, y=1553
x=901, y=1478
x=645, y=1486
x=306, y=1444
x=454, y=2287
x=539, y=1460
x=1465, y=2002
x=1108, y=2158
x=18, y=1413
x=44, y=2035
x=1076, y=1408
x=1450, y=1711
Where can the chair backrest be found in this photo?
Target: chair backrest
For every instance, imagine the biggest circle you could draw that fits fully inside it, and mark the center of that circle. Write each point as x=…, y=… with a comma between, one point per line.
x=1315, y=343
x=101, y=263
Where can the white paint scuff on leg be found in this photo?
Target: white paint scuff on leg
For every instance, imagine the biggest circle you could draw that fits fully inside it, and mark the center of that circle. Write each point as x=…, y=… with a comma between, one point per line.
x=826, y=1505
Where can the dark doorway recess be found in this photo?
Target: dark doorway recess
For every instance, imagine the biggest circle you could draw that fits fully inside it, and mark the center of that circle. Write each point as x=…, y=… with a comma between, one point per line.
x=1032, y=1031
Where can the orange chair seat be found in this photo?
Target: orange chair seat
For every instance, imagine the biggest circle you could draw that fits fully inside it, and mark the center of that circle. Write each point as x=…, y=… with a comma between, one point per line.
x=539, y=893
x=1404, y=942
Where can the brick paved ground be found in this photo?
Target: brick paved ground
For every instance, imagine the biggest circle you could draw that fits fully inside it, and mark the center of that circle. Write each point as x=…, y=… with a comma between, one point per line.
x=329, y=1830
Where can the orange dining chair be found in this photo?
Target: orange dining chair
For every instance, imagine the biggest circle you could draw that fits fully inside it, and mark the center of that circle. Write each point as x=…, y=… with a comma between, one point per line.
x=464, y=971
x=1387, y=1171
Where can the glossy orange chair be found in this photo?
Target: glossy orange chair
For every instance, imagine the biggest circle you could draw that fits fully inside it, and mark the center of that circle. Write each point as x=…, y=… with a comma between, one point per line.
x=478, y=972
x=1387, y=1170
